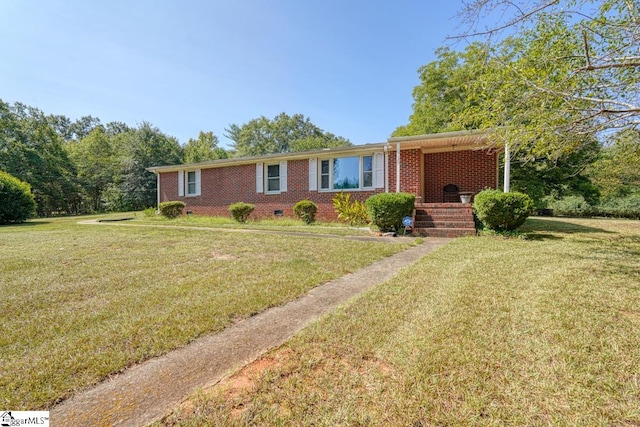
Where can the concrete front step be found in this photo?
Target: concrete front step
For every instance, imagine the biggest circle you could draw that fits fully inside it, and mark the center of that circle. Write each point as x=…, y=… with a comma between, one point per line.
x=444, y=232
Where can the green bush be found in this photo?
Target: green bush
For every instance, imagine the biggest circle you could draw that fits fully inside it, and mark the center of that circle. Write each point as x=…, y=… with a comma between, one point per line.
x=16, y=200
x=240, y=211
x=386, y=210
x=575, y=206
x=171, y=209
x=350, y=212
x=306, y=210
x=150, y=212
x=622, y=207
x=502, y=211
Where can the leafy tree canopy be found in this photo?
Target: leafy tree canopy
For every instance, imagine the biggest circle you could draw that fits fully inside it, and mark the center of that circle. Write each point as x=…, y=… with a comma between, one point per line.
x=557, y=71
x=204, y=148
x=282, y=134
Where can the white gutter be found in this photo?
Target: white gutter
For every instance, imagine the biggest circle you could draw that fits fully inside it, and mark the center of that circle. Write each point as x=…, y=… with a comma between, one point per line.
x=397, y=167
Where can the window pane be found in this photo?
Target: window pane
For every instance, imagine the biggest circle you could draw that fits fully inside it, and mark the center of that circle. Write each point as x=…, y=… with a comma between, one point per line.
x=367, y=179
x=325, y=166
x=273, y=184
x=367, y=163
x=346, y=173
x=324, y=174
x=324, y=181
x=273, y=171
x=191, y=188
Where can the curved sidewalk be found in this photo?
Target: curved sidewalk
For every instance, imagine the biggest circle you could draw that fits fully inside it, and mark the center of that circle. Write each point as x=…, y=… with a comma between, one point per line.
x=148, y=391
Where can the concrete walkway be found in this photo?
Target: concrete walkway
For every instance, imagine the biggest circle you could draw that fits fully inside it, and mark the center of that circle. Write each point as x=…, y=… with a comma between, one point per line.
x=148, y=391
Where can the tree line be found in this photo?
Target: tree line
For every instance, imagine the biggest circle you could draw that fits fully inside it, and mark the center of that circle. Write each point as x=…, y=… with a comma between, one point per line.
x=86, y=166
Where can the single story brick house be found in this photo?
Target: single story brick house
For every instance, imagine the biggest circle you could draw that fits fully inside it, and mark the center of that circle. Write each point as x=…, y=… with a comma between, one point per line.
x=437, y=168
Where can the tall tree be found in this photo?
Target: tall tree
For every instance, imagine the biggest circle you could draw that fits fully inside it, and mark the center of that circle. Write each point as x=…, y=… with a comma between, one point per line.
x=444, y=91
x=204, y=148
x=581, y=56
x=33, y=151
x=141, y=148
x=617, y=171
x=279, y=135
x=97, y=164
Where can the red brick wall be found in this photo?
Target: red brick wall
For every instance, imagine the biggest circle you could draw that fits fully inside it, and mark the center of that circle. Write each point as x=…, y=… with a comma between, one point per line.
x=220, y=187
x=470, y=170
x=409, y=171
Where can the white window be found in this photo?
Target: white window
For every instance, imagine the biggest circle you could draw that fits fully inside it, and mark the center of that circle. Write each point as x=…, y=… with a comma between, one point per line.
x=271, y=178
x=346, y=173
x=189, y=183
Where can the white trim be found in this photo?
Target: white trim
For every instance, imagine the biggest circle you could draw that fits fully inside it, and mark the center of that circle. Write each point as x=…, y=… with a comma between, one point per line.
x=378, y=170
x=181, y=183
x=283, y=176
x=259, y=177
x=266, y=178
x=198, y=180
x=313, y=174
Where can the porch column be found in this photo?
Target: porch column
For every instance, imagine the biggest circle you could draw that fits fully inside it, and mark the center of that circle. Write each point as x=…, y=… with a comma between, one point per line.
x=157, y=189
x=397, y=167
x=507, y=168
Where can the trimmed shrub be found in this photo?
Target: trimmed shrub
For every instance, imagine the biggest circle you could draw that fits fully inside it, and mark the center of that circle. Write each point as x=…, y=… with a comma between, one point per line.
x=350, y=212
x=502, y=211
x=240, y=211
x=306, y=210
x=16, y=200
x=386, y=210
x=171, y=209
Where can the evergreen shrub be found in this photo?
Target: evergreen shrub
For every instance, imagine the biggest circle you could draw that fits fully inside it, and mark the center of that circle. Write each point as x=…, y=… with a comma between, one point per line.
x=240, y=211
x=386, y=210
x=171, y=209
x=306, y=210
x=16, y=200
x=502, y=211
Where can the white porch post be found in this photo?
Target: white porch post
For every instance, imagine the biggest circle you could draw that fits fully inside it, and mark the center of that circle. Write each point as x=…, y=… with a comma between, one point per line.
x=386, y=169
x=507, y=168
x=158, y=188
x=397, y=167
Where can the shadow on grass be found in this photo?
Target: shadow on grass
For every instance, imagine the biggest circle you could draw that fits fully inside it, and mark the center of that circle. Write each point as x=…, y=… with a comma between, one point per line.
x=25, y=224
x=538, y=229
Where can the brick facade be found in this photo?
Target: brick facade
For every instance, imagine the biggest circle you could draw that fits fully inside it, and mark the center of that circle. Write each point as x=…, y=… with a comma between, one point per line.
x=420, y=174
x=224, y=186
x=470, y=170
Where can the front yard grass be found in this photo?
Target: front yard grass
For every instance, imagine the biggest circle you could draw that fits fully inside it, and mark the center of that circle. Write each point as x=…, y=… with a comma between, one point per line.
x=81, y=302
x=540, y=330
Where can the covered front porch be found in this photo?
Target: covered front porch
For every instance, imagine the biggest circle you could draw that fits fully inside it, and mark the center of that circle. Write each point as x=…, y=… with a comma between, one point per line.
x=444, y=171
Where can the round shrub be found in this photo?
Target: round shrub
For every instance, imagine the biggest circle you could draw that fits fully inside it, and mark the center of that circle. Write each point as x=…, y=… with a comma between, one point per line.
x=16, y=200
x=171, y=209
x=386, y=210
x=240, y=211
x=306, y=210
x=502, y=211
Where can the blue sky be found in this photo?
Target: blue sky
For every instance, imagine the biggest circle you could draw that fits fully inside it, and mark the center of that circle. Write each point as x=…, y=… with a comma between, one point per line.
x=192, y=65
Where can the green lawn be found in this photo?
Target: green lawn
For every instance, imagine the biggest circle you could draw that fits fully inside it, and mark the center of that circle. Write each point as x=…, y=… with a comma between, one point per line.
x=81, y=302
x=540, y=330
